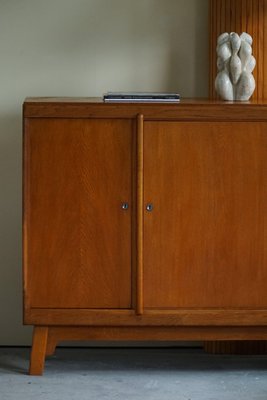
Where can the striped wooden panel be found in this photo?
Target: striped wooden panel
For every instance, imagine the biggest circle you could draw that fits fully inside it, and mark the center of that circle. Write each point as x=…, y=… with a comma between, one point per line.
x=240, y=16
x=236, y=347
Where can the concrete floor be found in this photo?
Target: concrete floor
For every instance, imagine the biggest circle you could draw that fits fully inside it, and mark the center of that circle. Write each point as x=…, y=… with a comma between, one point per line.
x=133, y=374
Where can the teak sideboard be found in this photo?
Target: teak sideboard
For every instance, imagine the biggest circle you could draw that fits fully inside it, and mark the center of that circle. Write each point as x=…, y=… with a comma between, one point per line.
x=144, y=221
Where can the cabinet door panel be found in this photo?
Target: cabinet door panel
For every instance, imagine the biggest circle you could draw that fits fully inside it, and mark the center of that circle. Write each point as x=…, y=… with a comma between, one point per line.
x=78, y=237
x=205, y=242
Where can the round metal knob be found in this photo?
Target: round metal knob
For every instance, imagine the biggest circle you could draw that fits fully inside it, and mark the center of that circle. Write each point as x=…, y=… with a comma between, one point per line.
x=125, y=206
x=149, y=207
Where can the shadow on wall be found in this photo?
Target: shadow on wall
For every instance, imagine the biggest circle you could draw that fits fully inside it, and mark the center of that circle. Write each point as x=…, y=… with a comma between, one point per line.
x=11, y=227
x=188, y=75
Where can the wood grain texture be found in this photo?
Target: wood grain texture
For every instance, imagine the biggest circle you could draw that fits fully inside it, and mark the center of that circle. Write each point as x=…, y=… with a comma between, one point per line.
x=264, y=72
x=73, y=333
x=133, y=218
x=248, y=347
x=251, y=17
x=186, y=110
x=202, y=163
x=152, y=317
x=38, y=351
x=140, y=213
x=78, y=237
x=51, y=345
x=240, y=16
x=205, y=242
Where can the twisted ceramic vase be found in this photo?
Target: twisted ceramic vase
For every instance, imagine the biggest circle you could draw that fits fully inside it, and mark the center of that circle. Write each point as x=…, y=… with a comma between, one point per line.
x=235, y=64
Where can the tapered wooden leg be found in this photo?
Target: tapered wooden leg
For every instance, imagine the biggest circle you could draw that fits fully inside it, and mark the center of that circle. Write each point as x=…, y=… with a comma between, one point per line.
x=51, y=346
x=39, y=343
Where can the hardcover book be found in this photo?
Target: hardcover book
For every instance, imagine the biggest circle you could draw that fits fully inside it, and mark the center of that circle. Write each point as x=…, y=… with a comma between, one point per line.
x=141, y=97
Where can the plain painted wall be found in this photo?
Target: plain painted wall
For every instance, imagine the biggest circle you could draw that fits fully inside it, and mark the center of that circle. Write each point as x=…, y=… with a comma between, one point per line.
x=82, y=48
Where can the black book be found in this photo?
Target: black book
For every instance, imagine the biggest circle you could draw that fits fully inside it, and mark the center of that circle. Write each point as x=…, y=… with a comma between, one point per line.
x=141, y=96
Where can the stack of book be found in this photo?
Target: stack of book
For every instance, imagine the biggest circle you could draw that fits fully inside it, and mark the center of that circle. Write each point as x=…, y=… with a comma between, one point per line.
x=141, y=97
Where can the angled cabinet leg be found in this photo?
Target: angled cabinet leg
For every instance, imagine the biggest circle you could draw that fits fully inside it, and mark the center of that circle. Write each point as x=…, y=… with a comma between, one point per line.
x=51, y=346
x=39, y=345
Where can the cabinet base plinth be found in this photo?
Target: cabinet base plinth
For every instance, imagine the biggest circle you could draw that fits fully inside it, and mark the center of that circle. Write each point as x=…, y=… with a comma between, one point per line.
x=45, y=339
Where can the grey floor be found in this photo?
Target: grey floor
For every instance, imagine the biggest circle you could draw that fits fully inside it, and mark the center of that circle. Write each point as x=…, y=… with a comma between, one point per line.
x=134, y=373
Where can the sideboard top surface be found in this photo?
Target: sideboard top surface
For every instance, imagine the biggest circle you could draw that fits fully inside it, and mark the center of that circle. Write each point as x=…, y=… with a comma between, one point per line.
x=187, y=109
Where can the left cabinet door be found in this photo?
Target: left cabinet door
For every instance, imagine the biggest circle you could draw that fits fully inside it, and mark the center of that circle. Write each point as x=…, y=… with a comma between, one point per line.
x=77, y=234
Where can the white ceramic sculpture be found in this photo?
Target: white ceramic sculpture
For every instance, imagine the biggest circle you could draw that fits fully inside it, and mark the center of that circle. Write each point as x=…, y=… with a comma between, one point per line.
x=235, y=65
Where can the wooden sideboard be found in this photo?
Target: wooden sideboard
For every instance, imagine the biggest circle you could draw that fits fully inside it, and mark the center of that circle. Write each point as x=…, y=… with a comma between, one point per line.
x=240, y=16
x=144, y=221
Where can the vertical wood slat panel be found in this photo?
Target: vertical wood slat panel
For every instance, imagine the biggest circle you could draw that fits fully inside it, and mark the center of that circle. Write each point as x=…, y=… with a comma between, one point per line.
x=212, y=48
x=260, y=61
x=233, y=15
x=238, y=16
x=264, y=49
x=219, y=17
x=140, y=213
x=255, y=23
x=236, y=347
x=249, y=16
x=223, y=17
x=244, y=16
x=227, y=15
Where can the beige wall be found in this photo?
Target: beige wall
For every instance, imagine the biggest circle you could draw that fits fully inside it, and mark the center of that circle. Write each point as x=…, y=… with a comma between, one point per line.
x=83, y=48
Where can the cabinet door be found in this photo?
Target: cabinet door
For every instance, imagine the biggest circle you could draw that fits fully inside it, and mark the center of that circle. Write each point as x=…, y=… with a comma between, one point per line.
x=77, y=235
x=205, y=241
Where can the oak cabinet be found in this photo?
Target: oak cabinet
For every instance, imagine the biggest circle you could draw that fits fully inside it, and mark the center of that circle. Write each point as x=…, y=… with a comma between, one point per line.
x=204, y=242
x=79, y=174
x=144, y=221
